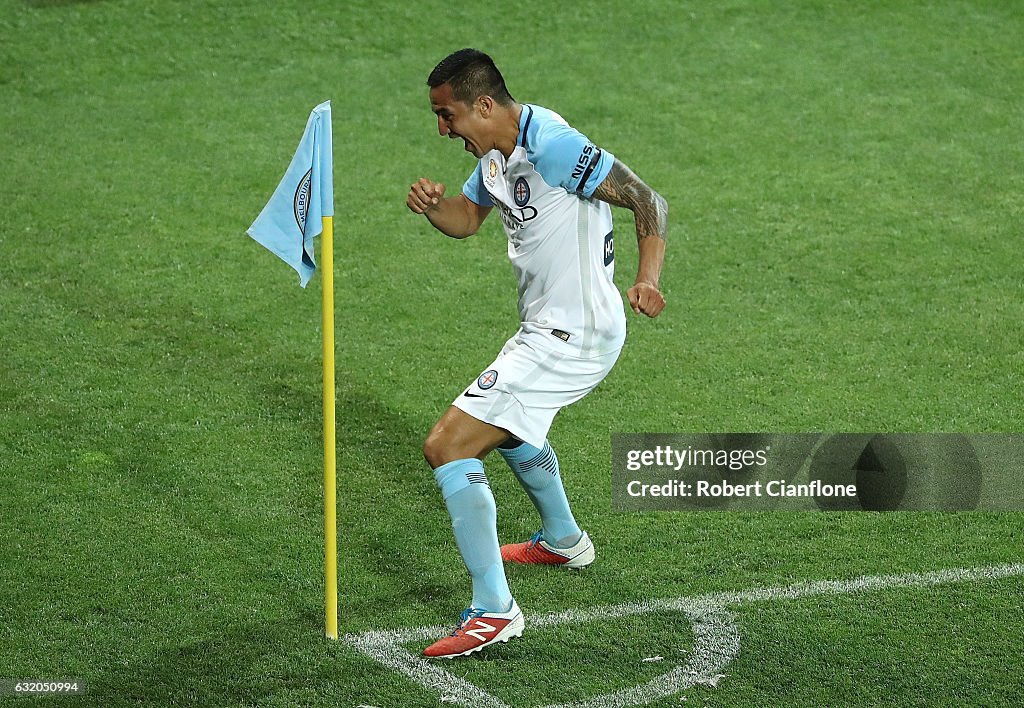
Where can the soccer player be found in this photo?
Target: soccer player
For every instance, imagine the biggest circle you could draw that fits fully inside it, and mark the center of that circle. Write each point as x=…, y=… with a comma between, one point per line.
x=552, y=188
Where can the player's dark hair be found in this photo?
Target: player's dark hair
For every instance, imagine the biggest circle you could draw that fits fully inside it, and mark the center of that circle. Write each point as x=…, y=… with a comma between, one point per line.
x=471, y=74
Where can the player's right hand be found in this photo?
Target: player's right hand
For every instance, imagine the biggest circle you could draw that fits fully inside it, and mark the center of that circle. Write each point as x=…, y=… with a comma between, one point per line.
x=424, y=195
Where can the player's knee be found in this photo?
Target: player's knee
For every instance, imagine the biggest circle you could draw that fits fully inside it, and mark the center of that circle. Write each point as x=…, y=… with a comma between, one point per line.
x=441, y=447
x=435, y=450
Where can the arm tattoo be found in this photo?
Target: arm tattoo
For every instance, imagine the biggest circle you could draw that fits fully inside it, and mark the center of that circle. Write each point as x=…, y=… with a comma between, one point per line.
x=622, y=188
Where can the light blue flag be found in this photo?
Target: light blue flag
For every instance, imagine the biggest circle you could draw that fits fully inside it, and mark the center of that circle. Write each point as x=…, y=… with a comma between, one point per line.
x=292, y=217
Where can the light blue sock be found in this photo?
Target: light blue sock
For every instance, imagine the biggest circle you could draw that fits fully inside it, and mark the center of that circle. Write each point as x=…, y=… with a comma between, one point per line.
x=537, y=471
x=467, y=494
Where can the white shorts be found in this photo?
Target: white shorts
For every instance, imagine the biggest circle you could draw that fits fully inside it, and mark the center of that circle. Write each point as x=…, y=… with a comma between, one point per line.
x=529, y=382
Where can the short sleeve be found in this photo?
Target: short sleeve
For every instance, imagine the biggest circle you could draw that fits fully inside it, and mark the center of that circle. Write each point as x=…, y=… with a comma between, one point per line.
x=565, y=157
x=474, y=188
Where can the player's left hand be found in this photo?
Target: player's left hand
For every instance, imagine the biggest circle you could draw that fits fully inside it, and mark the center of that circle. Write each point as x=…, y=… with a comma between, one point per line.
x=646, y=299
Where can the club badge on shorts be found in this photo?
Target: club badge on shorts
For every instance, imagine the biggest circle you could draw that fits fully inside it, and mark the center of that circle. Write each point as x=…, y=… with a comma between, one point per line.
x=487, y=379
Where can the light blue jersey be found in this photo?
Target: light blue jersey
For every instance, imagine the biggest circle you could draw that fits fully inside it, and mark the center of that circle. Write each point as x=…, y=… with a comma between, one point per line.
x=559, y=238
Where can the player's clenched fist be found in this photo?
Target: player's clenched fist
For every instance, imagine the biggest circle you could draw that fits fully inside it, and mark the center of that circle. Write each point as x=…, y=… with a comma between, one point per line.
x=646, y=299
x=424, y=195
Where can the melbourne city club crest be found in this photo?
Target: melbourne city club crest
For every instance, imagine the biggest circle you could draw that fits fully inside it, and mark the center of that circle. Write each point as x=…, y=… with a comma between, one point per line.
x=521, y=192
x=487, y=379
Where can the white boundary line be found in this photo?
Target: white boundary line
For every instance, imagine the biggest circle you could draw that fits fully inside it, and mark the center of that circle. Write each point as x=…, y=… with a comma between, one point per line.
x=715, y=633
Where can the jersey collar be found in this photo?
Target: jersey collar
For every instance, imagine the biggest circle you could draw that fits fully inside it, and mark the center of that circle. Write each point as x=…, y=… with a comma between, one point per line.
x=525, y=116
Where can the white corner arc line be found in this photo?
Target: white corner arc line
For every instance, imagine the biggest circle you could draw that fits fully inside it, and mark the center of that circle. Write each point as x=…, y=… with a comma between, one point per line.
x=716, y=635
x=716, y=642
x=387, y=648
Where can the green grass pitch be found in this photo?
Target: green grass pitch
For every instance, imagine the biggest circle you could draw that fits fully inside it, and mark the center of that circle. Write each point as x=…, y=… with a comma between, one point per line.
x=846, y=183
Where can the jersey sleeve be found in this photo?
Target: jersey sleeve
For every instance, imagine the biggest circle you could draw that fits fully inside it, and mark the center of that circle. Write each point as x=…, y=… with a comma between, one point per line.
x=474, y=188
x=565, y=157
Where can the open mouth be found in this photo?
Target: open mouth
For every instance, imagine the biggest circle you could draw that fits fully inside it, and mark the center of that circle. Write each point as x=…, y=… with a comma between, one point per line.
x=468, y=147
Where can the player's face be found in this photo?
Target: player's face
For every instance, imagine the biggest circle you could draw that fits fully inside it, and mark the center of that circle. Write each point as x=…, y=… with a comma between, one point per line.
x=459, y=120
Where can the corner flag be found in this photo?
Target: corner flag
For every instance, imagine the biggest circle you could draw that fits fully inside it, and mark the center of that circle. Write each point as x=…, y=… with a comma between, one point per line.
x=301, y=207
x=293, y=216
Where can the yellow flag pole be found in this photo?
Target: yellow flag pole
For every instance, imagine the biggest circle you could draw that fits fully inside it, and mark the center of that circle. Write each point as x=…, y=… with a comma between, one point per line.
x=330, y=480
